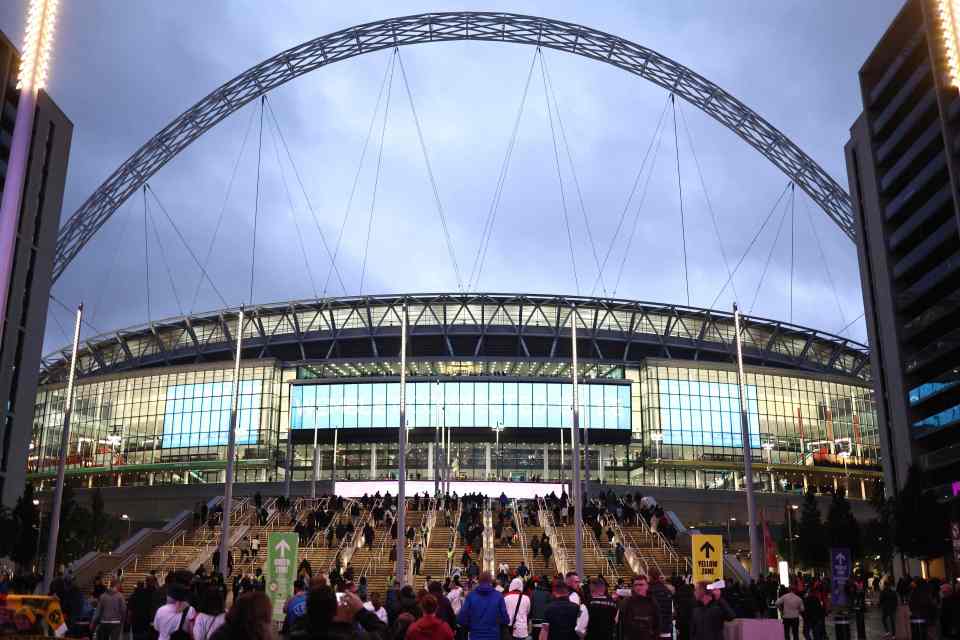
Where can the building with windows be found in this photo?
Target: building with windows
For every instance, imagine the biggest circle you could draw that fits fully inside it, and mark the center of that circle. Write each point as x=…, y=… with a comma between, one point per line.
x=21, y=341
x=902, y=167
x=659, y=400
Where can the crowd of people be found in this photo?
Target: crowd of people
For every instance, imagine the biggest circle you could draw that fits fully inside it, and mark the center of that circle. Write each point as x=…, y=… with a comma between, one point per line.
x=521, y=602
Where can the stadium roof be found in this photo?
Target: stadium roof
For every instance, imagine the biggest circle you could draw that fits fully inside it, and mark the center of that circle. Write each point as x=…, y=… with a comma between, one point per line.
x=463, y=326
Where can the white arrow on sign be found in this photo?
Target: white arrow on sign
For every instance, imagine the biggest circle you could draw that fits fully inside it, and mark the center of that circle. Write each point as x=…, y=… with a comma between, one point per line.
x=283, y=546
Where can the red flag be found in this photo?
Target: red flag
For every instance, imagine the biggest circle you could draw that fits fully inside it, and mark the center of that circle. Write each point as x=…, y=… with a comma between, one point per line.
x=769, y=548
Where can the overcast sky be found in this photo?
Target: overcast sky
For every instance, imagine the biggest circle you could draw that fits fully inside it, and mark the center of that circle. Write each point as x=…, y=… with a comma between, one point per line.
x=122, y=70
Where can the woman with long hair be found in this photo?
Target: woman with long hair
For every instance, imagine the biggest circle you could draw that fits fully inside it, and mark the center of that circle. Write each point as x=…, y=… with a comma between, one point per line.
x=250, y=618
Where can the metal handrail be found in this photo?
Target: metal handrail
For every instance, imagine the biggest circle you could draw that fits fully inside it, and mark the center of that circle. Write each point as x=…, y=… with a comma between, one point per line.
x=591, y=539
x=520, y=534
x=549, y=528
x=454, y=534
x=630, y=546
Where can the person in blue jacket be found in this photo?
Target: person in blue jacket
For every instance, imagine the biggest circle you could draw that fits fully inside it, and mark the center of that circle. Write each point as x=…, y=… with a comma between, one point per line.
x=484, y=611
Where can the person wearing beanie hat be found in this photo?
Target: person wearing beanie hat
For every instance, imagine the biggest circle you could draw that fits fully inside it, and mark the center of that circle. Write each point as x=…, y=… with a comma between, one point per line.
x=518, y=609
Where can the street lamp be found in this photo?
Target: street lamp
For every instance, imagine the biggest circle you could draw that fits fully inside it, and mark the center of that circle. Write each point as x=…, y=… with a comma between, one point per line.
x=730, y=533
x=497, y=429
x=129, y=522
x=36, y=503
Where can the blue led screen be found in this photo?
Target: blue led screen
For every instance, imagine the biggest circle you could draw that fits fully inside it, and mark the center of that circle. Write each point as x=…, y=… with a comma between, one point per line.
x=198, y=415
x=458, y=404
x=706, y=413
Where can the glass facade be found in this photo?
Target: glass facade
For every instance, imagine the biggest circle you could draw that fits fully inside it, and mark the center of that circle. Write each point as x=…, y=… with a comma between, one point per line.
x=482, y=404
x=663, y=423
x=173, y=423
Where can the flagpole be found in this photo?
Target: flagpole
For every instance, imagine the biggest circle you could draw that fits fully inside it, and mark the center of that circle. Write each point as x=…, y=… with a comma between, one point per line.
x=62, y=462
x=756, y=557
x=402, y=454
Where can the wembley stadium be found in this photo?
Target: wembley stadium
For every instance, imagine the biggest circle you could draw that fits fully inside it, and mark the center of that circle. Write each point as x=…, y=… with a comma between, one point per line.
x=659, y=399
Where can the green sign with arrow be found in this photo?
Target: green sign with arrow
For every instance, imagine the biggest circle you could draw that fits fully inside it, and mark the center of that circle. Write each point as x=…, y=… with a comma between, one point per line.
x=281, y=569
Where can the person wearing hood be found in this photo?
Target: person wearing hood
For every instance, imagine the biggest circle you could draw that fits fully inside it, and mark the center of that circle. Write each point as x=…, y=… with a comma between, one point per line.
x=518, y=609
x=709, y=614
x=484, y=611
x=429, y=626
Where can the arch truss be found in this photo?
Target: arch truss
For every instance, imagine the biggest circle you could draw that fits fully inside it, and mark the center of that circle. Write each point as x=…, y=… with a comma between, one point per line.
x=446, y=27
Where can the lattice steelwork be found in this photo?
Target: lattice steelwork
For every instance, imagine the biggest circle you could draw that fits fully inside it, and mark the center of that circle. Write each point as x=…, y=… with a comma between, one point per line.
x=352, y=331
x=444, y=27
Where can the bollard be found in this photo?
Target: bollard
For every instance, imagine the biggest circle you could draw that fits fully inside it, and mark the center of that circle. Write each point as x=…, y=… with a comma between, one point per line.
x=841, y=626
x=918, y=628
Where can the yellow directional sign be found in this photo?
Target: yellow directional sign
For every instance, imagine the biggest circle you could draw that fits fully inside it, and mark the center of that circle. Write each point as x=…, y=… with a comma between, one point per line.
x=707, y=557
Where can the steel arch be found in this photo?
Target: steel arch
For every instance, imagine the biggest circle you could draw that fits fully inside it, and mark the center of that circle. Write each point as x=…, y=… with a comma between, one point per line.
x=445, y=27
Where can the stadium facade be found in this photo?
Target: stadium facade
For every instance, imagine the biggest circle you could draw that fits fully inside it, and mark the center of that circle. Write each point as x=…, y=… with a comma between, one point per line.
x=659, y=401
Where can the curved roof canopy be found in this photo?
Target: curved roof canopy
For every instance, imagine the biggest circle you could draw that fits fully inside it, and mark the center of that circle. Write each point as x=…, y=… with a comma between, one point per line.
x=462, y=327
x=445, y=27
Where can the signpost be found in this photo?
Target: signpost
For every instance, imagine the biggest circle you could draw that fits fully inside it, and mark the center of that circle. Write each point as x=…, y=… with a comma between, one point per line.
x=282, y=556
x=707, y=557
x=840, y=565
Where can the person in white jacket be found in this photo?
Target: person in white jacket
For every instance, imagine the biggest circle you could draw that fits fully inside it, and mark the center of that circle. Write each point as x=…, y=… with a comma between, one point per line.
x=518, y=609
x=455, y=596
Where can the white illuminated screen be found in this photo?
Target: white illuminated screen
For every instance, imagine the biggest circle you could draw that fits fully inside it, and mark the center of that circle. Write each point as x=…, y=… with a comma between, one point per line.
x=522, y=490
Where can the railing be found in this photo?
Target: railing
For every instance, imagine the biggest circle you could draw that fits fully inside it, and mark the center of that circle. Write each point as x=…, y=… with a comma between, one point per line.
x=549, y=528
x=518, y=520
x=637, y=563
x=454, y=534
x=166, y=550
x=591, y=543
x=488, y=557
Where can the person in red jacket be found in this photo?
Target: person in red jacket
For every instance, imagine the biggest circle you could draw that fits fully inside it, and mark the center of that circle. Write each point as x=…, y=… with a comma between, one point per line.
x=429, y=626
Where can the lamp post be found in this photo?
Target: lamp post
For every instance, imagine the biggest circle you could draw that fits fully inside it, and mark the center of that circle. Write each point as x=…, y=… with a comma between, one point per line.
x=756, y=551
x=497, y=429
x=129, y=523
x=36, y=503
x=730, y=532
x=790, y=509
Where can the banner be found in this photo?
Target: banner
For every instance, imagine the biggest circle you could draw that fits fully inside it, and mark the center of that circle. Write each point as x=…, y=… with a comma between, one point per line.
x=840, y=569
x=769, y=547
x=281, y=569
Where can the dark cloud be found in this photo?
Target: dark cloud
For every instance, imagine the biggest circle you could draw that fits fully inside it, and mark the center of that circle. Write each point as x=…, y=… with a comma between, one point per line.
x=124, y=69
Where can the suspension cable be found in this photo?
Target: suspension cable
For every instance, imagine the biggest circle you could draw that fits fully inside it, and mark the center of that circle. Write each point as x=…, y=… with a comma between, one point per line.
x=749, y=247
x=293, y=213
x=793, y=233
x=826, y=265
x=102, y=284
x=376, y=178
x=256, y=204
x=146, y=251
x=563, y=197
x=652, y=152
x=683, y=224
x=70, y=311
x=573, y=173
x=166, y=263
x=63, y=330
x=487, y=233
x=706, y=196
x=223, y=209
x=850, y=324
x=184, y=242
x=356, y=175
x=630, y=195
x=306, y=197
x=766, y=265
x=433, y=180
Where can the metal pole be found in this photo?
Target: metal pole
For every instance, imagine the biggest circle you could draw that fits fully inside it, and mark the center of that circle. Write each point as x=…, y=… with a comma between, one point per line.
x=756, y=555
x=316, y=458
x=289, y=479
x=36, y=562
x=586, y=459
x=575, y=457
x=789, y=510
x=402, y=455
x=62, y=462
x=437, y=448
x=231, y=453
x=333, y=465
